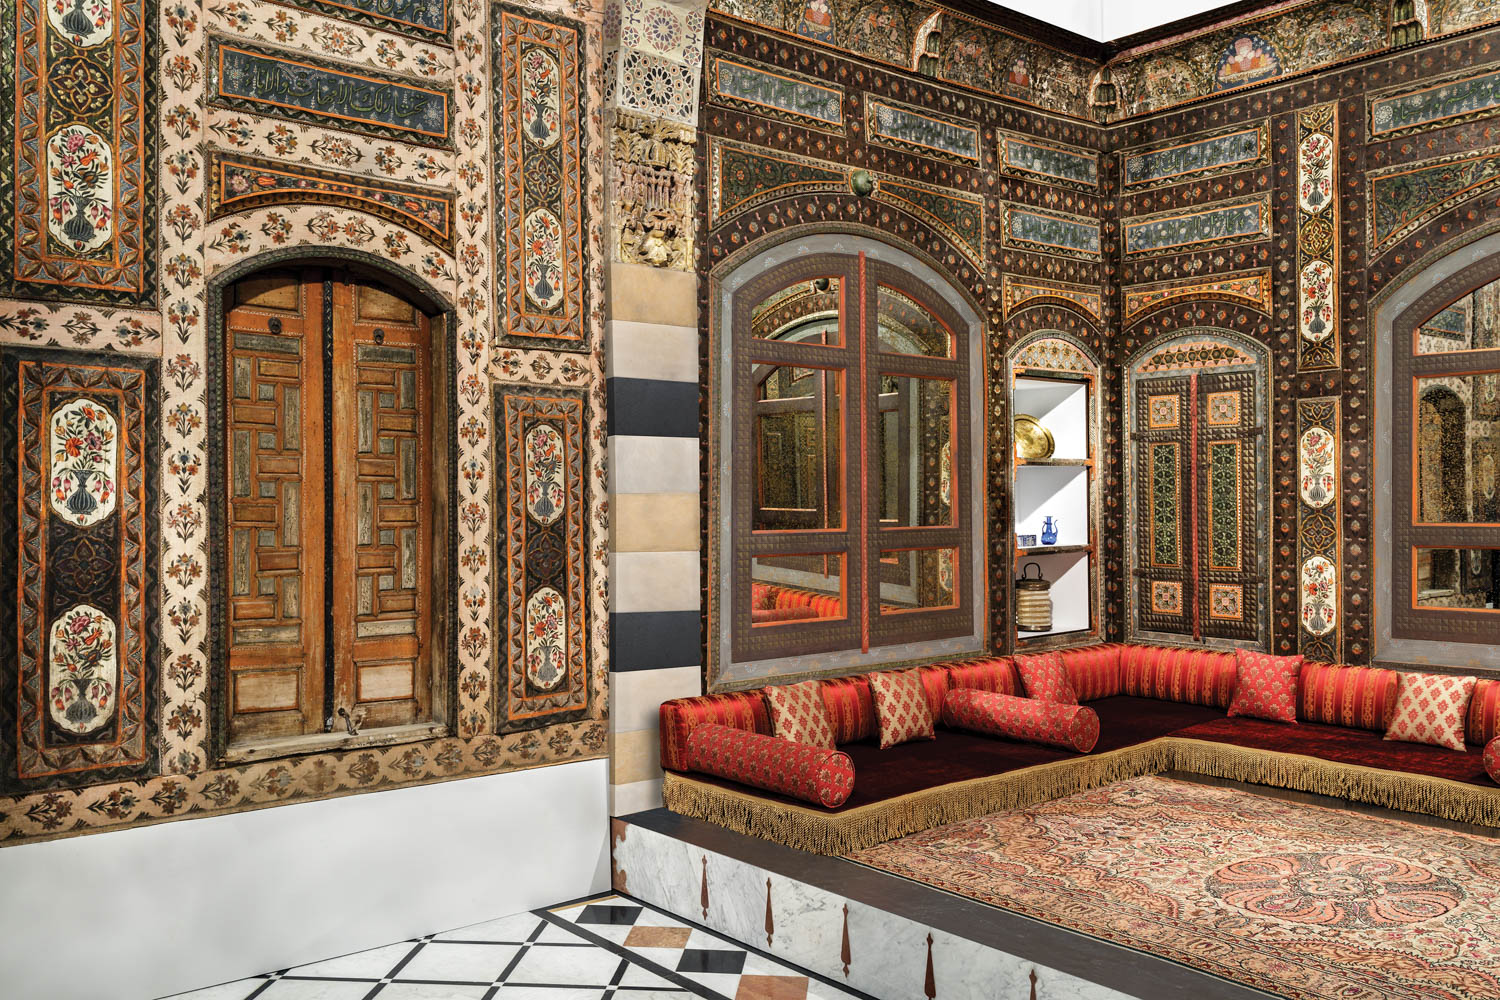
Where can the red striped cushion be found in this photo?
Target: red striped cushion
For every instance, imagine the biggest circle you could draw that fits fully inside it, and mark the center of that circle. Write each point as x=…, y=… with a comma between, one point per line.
x=1483, y=722
x=818, y=775
x=934, y=678
x=680, y=716
x=1094, y=671
x=1355, y=697
x=1033, y=720
x=851, y=708
x=1192, y=676
x=990, y=673
x=1492, y=759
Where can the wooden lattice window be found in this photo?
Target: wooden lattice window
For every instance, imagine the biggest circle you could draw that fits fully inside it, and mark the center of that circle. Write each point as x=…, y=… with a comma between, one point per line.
x=331, y=512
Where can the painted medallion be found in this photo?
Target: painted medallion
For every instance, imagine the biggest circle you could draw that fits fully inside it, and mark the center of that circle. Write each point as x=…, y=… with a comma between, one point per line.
x=544, y=267
x=84, y=460
x=86, y=23
x=546, y=639
x=1319, y=479
x=1248, y=59
x=1315, y=295
x=80, y=189
x=1315, y=172
x=545, y=495
x=541, y=98
x=1319, y=599
x=82, y=670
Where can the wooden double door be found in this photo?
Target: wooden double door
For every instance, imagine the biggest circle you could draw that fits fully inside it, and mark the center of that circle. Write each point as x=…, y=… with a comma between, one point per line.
x=328, y=437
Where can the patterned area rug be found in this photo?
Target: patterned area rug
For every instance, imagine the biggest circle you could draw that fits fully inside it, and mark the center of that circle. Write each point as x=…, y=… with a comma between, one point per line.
x=1298, y=900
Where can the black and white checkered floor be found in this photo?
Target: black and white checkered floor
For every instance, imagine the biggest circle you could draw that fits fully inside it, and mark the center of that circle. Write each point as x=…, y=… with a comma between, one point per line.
x=609, y=948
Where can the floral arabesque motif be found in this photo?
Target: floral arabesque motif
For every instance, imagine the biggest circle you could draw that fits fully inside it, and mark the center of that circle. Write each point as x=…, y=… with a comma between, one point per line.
x=84, y=458
x=546, y=639
x=80, y=188
x=545, y=493
x=1319, y=481
x=540, y=98
x=1319, y=596
x=83, y=670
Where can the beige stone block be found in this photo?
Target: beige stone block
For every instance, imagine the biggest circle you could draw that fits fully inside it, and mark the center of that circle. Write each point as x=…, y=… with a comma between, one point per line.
x=660, y=522
x=635, y=696
x=653, y=581
x=643, y=294
x=635, y=756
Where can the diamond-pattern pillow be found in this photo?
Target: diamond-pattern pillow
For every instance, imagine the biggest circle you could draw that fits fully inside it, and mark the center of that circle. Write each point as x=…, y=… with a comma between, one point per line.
x=1267, y=686
x=901, y=707
x=1492, y=759
x=1045, y=678
x=1430, y=708
x=798, y=714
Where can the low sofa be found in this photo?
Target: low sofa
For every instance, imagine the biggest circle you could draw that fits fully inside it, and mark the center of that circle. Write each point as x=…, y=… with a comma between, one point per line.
x=1159, y=709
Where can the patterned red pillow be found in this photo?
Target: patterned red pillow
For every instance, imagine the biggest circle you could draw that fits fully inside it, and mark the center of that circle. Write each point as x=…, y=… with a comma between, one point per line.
x=1430, y=709
x=1074, y=727
x=797, y=714
x=901, y=707
x=1266, y=687
x=1492, y=759
x=1045, y=678
x=814, y=774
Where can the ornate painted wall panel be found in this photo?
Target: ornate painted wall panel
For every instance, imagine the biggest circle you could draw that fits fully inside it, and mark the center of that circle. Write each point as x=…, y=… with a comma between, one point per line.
x=427, y=19
x=78, y=117
x=904, y=127
x=269, y=82
x=1319, y=528
x=741, y=177
x=1252, y=288
x=1402, y=111
x=956, y=214
x=1017, y=292
x=1403, y=198
x=1174, y=232
x=1221, y=153
x=1049, y=162
x=541, y=558
x=1050, y=232
x=540, y=149
x=78, y=569
x=775, y=93
x=1317, y=238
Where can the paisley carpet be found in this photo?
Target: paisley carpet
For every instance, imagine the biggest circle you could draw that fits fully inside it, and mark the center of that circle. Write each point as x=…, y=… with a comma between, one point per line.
x=1298, y=900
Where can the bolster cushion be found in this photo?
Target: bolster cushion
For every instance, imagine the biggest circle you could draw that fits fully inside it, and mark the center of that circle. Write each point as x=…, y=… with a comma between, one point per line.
x=1483, y=722
x=679, y=717
x=1192, y=676
x=819, y=775
x=1073, y=727
x=1492, y=759
x=986, y=673
x=1094, y=671
x=1353, y=697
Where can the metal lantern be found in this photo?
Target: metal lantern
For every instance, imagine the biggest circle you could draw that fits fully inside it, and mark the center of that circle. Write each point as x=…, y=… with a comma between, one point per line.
x=1033, y=601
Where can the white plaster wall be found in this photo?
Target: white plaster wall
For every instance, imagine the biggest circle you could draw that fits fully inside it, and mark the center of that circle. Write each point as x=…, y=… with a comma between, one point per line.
x=157, y=910
x=1104, y=20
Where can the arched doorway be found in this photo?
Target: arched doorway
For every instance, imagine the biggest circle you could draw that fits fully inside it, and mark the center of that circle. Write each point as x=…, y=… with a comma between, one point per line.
x=331, y=502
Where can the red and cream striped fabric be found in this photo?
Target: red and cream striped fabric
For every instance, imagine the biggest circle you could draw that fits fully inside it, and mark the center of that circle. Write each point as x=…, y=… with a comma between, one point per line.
x=827, y=606
x=901, y=705
x=1483, y=722
x=1094, y=671
x=989, y=673
x=1075, y=727
x=1355, y=697
x=934, y=678
x=1430, y=709
x=1192, y=676
x=1266, y=686
x=851, y=708
x=818, y=775
x=679, y=717
x=1492, y=759
x=765, y=616
x=1045, y=679
x=798, y=714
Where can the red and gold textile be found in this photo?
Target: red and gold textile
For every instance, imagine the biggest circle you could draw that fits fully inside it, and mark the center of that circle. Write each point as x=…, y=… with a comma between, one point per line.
x=680, y=716
x=1195, y=676
x=798, y=714
x=1357, y=697
x=1492, y=759
x=1094, y=671
x=901, y=706
x=934, y=678
x=988, y=673
x=818, y=775
x=1030, y=720
x=1431, y=709
x=851, y=708
x=1045, y=679
x=1483, y=723
x=1266, y=686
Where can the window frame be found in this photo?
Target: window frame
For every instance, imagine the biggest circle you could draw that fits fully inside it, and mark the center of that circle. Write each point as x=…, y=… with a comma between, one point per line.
x=740, y=652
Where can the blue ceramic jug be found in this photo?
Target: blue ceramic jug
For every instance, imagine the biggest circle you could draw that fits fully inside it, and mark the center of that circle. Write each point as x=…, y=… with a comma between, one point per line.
x=1049, y=531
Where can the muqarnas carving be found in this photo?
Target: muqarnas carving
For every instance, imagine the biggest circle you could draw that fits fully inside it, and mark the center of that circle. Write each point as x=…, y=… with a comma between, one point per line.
x=653, y=191
x=541, y=557
x=77, y=568
x=79, y=217
x=541, y=212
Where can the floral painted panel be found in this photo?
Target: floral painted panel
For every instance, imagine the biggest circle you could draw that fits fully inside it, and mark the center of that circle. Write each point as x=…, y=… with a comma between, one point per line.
x=1224, y=497
x=1319, y=588
x=775, y=92
x=1319, y=526
x=1224, y=409
x=1047, y=232
x=742, y=177
x=909, y=128
x=1053, y=354
x=540, y=150
x=1317, y=238
x=956, y=214
x=1246, y=60
x=1318, y=467
x=1049, y=161
x=84, y=462
x=1173, y=232
x=1162, y=412
x=1404, y=198
x=1166, y=530
x=1166, y=597
x=266, y=82
x=1434, y=106
x=78, y=512
x=427, y=19
x=1245, y=147
x=1226, y=601
x=77, y=223
x=1017, y=292
x=1251, y=288
x=541, y=557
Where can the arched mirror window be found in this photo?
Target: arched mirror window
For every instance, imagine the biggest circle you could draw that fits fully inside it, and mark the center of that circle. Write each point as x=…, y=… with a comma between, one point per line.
x=847, y=406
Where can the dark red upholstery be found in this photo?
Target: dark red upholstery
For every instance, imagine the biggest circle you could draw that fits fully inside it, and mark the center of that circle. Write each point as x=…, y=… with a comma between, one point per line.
x=677, y=719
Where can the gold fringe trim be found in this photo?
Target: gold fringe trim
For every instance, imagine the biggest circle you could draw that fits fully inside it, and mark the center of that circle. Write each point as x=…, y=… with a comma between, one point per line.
x=821, y=832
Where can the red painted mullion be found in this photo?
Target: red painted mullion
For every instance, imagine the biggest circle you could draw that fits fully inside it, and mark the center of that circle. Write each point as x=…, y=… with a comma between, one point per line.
x=864, y=469
x=1193, y=499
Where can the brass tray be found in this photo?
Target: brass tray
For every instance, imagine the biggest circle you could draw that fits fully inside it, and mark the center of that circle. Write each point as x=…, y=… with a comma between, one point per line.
x=1033, y=441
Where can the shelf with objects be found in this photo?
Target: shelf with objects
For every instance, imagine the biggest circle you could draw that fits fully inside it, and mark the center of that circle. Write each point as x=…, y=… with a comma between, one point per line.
x=1054, y=407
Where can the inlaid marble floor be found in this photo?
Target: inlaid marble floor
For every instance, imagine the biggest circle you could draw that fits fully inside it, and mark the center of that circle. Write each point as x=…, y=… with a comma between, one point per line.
x=609, y=948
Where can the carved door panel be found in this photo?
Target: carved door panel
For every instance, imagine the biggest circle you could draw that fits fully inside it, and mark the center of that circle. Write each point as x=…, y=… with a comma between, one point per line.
x=274, y=430
x=330, y=534
x=1164, y=586
x=1227, y=455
